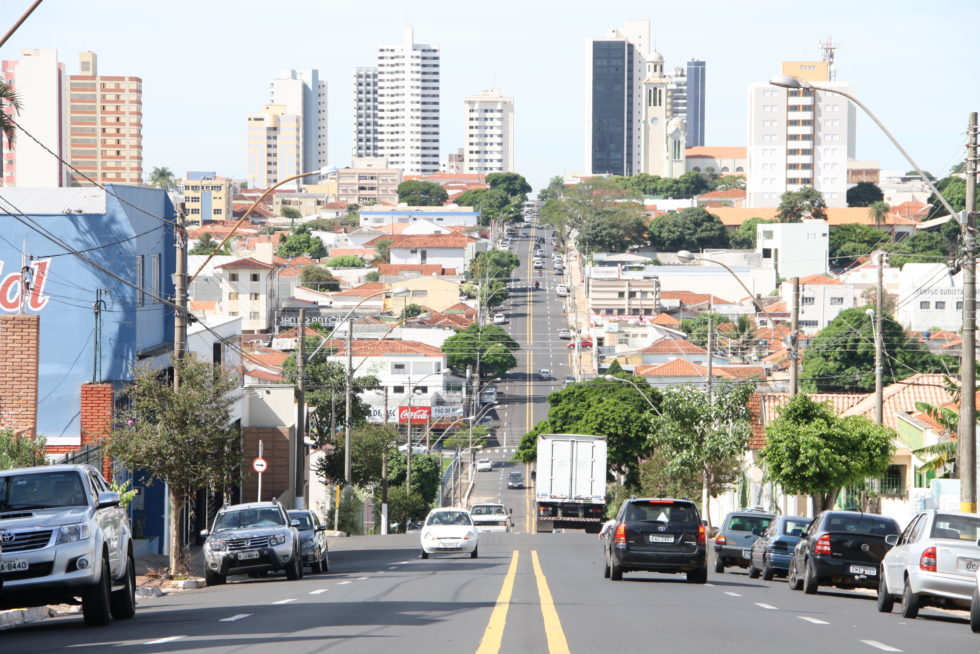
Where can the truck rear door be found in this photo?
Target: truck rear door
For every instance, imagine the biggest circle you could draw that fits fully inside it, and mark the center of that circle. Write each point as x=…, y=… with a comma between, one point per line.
x=561, y=469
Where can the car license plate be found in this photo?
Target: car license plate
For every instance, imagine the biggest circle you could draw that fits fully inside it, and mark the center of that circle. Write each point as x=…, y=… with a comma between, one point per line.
x=970, y=565
x=244, y=556
x=14, y=565
x=863, y=570
x=746, y=554
x=658, y=538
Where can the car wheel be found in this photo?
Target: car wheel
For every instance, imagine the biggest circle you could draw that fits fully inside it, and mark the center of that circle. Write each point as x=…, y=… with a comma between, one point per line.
x=424, y=555
x=615, y=572
x=294, y=569
x=810, y=584
x=325, y=563
x=885, y=601
x=753, y=572
x=975, y=612
x=767, y=572
x=96, y=600
x=793, y=580
x=910, y=602
x=475, y=553
x=213, y=578
x=315, y=568
x=699, y=576
x=122, y=603
x=719, y=565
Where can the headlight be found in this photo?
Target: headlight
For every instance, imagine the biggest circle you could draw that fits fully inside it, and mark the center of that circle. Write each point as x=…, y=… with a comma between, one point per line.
x=427, y=534
x=218, y=546
x=277, y=539
x=307, y=543
x=73, y=533
x=469, y=536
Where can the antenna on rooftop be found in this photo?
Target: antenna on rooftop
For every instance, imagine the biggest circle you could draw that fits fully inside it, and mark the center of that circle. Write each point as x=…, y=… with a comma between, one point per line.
x=829, y=49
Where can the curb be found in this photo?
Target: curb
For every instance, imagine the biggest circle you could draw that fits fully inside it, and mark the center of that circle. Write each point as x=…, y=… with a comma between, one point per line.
x=16, y=617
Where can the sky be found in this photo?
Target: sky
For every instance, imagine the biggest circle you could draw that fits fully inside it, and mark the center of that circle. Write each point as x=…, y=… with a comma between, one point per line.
x=206, y=65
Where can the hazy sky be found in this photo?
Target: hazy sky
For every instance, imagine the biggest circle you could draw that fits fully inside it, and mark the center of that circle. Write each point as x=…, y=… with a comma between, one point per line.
x=206, y=64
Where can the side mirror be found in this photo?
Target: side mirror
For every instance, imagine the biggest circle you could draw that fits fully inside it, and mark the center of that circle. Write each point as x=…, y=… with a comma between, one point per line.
x=204, y=533
x=321, y=528
x=891, y=539
x=704, y=523
x=294, y=523
x=510, y=511
x=108, y=498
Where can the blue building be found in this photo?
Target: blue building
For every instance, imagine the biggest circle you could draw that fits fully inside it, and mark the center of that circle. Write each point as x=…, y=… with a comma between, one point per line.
x=695, y=103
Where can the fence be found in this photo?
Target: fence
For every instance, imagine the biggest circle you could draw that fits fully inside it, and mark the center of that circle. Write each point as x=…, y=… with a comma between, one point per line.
x=90, y=454
x=450, y=488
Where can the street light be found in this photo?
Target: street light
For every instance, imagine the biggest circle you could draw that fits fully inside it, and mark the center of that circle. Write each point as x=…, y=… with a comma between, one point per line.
x=632, y=383
x=411, y=391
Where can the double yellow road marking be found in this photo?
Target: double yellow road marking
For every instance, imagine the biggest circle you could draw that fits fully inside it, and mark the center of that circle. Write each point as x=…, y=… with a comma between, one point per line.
x=493, y=635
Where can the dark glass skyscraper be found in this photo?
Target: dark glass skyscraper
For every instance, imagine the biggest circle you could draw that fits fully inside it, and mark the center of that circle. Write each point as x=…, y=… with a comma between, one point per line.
x=695, y=103
x=612, y=107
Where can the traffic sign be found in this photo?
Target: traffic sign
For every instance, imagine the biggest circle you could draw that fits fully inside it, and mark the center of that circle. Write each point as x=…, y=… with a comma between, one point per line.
x=260, y=465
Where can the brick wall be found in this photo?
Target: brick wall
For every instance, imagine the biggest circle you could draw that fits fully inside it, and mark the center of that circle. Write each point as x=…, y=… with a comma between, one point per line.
x=96, y=418
x=275, y=450
x=19, y=339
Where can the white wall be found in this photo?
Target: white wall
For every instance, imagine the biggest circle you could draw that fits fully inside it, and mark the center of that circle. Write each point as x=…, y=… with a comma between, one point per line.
x=921, y=286
x=445, y=257
x=796, y=249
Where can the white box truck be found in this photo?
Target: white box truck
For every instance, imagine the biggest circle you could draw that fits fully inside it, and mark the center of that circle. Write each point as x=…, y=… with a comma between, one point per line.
x=570, y=482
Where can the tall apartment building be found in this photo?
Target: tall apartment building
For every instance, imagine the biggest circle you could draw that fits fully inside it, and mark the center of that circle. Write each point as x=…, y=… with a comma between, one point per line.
x=489, y=141
x=303, y=94
x=207, y=197
x=406, y=120
x=695, y=103
x=274, y=146
x=799, y=138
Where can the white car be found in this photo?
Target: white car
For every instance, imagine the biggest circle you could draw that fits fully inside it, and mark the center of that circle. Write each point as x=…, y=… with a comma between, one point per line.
x=490, y=517
x=561, y=290
x=544, y=373
x=449, y=530
x=565, y=333
x=484, y=465
x=499, y=319
x=538, y=263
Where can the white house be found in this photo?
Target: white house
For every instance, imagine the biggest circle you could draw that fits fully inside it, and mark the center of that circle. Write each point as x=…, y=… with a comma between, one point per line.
x=864, y=278
x=930, y=297
x=448, y=215
x=447, y=250
x=248, y=290
x=795, y=249
x=821, y=299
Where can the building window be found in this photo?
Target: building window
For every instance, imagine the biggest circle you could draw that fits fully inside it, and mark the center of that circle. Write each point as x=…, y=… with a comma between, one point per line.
x=419, y=293
x=233, y=296
x=253, y=315
x=253, y=296
x=216, y=353
x=923, y=305
x=155, y=274
x=398, y=368
x=811, y=324
x=233, y=277
x=254, y=277
x=397, y=389
x=940, y=304
x=140, y=300
x=959, y=305
x=837, y=301
x=807, y=301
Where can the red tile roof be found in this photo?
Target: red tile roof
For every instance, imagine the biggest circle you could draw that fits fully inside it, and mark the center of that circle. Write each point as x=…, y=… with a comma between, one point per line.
x=673, y=346
x=422, y=269
x=687, y=297
x=377, y=347
x=727, y=194
x=665, y=319
x=739, y=372
x=672, y=368
x=813, y=280
x=363, y=290
x=247, y=262
x=424, y=241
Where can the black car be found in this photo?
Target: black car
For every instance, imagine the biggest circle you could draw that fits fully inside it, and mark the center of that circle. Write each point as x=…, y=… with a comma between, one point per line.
x=733, y=542
x=841, y=548
x=313, y=542
x=515, y=480
x=773, y=550
x=656, y=535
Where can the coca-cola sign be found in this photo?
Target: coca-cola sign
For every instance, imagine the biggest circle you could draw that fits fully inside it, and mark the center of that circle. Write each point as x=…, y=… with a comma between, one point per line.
x=420, y=414
x=10, y=287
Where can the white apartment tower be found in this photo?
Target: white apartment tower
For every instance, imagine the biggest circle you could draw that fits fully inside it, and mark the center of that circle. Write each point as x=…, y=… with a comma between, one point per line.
x=489, y=143
x=799, y=138
x=365, y=141
x=303, y=94
x=274, y=146
x=407, y=116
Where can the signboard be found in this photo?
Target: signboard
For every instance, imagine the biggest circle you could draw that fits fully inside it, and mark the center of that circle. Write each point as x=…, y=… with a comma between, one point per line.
x=439, y=415
x=420, y=414
x=260, y=465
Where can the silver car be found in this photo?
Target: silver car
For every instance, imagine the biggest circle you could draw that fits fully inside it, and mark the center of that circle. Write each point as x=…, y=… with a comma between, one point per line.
x=252, y=538
x=313, y=541
x=933, y=563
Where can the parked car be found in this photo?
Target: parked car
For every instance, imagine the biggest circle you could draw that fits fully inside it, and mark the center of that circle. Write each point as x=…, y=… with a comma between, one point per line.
x=499, y=319
x=772, y=551
x=64, y=536
x=564, y=333
x=841, y=548
x=585, y=342
x=656, y=535
x=569, y=379
x=312, y=540
x=544, y=373
x=484, y=465
x=559, y=269
x=933, y=563
x=539, y=252
x=515, y=480
x=449, y=530
x=561, y=290
x=490, y=517
x=738, y=531
x=252, y=538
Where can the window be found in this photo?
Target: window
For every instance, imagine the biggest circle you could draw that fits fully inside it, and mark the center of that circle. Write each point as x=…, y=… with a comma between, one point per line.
x=419, y=293
x=398, y=367
x=959, y=305
x=139, y=280
x=233, y=296
x=253, y=315
x=253, y=296
x=811, y=324
x=397, y=389
x=940, y=304
x=216, y=352
x=254, y=277
x=807, y=301
x=837, y=300
x=233, y=277
x=923, y=305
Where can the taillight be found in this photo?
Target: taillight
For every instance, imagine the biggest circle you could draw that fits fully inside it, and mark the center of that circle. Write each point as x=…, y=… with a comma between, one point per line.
x=823, y=545
x=719, y=539
x=701, y=535
x=927, y=561
x=620, y=535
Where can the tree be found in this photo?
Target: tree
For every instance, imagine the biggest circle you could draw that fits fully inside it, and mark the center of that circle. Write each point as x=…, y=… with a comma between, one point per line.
x=426, y=473
x=745, y=237
x=689, y=229
x=840, y=359
x=493, y=264
x=554, y=189
x=514, y=185
x=404, y=505
x=920, y=247
x=416, y=193
x=850, y=242
x=614, y=229
x=206, y=245
x=346, y=261
x=879, y=211
x=729, y=182
x=290, y=212
x=162, y=177
x=794, y=206
x=493, y=204
x=301, y=242
x=587, y=201
x=811, y=450
x=704, y=434
x=954, y=190
x=372, y=276
x=9, y=105
x=185, y=437
x=864, y=194
x=319, y=279
x=383, y=248
x=697, y=328
x=20, y=451
x=371, y=443
x=490, y=343
x=412, y=310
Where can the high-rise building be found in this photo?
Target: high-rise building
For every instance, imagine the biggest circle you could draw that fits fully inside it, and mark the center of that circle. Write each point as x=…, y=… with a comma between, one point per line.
x=489, y=142
x=695, y=103
x=105, y=126
x=406, y=91
x=207, y=197
x=38, y=78
x=303, y=94
x=799, y=138
x=274, y=146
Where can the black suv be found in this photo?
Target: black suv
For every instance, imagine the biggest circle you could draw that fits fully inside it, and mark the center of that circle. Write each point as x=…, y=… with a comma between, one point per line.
x=656, y=535
x=733, y=542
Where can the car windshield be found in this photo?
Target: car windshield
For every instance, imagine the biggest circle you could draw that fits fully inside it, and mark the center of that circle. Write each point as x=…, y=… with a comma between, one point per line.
x=795, y=527
x=304, y=520
x=748, y=523
x=41, y=491
x=956, y=527
x=659, y=511
x=449, y=518
x=516, y=475
x=244, y=518
x=488, y=510
x=862, y=524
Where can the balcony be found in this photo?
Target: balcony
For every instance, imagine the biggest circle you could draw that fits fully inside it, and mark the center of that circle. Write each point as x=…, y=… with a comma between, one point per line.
x=807, y=130
x=799, y=159
x=799, y=115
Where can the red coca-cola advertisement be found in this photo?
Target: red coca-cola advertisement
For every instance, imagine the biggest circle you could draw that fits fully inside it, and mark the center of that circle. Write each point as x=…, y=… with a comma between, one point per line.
x=420, y=414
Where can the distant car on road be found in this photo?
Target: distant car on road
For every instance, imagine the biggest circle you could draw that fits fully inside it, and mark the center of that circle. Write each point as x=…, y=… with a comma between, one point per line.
x=733, y=543
x=313, y=542
x=544, y=373
x=561, y=290
x=538, y=264
x=484, y=465
x=539, y=252
x=772, y=551
x=564, y=333
x=585, y=342
x=499, y=319
x=490, y=517
x=515, y=480
x=568, y=380
x=448, y=530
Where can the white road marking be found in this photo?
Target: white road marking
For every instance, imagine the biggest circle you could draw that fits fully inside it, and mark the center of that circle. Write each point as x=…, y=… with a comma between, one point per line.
x=285, y=601
x=235, y=617
x=318, y=591
x=813, y=620
x=403, y=562
x=170, y=639
x=361, y=578
x=769, y=607
x=728, y=592
x=709, y=584
x=392, y=567
x=883, y=647
x=342, y=583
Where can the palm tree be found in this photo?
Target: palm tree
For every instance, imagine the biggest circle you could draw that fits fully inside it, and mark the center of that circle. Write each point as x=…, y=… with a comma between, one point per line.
x=162, y=177
x=879, y=211
x=8, y=100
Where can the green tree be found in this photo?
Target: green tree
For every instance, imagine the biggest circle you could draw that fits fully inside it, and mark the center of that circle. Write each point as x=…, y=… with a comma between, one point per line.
x=864, y=194
x=879, y=211
x=426, y=473
x=162, y=177
x=404, y=506
x=300, y=242
x=371, y=443
x=490, y=343
x=290, y=212
x=588, y=201
x=412, y=310
x=554, y=189
x=850, y=242
x=10, y=105
x=493, y=204
x=745, y=237
x=372, y=276
x=954, y=190
x=697, y=328
x=383, y=248
x=514, y=185
x=614, y=229
x=707, y=435
x=920, y=247
x=461, y=439
x=20, y=451
x=729, y=182
x=840, y=359
x=811, y=450
x=689, y=229
x=493, y=264
x=318, y=278
x=206, y=244
x=184, y=437
x=346, y=261
x=416, y=193
x=808, y=202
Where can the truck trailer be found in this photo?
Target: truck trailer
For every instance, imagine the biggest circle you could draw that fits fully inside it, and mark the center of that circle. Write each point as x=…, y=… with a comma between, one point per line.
x=570, y=482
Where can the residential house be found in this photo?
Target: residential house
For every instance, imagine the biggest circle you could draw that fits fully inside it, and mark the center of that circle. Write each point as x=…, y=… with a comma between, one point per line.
x=248, y=289
x=428, y=292
x=682, y=371
x=448, y=250
x=794, y=249
x=822, y=298
x=930, y=297
x=443, y=216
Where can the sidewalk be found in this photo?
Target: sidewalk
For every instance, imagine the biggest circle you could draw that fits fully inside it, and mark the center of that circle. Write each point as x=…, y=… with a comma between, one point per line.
x=577, y=309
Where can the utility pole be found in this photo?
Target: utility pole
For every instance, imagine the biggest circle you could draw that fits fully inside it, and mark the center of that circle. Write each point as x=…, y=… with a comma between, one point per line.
x=879, y=326
x=300, y=412
x=794, y=341
x=408, y=464
x=180, y=293
x=711, y=342
x=967, y=425
x=97, y=345
x=348, y=442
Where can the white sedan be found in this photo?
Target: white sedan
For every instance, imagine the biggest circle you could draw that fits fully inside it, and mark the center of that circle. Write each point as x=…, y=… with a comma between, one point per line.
x=499, y=319
x=484, y=465
x=449, y=530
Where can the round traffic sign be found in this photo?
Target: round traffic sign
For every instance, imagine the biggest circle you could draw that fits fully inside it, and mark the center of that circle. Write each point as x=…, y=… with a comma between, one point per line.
x=260, y=465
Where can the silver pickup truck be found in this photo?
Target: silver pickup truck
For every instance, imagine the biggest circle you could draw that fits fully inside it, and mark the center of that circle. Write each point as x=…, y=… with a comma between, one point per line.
x=65, y=539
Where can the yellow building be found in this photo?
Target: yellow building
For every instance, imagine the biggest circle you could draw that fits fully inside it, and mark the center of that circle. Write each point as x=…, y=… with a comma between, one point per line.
x=207, y=197
x=274, y=152
x=811, y=71
x=429, y=292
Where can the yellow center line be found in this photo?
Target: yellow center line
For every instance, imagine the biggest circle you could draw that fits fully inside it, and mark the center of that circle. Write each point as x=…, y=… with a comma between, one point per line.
x=557, y=644
x=494, y=633
x=531, y=526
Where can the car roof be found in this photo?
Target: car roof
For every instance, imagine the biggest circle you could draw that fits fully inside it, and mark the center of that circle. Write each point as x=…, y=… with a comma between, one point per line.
x=63, y=467
x=486, y=504
x=252, y=505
